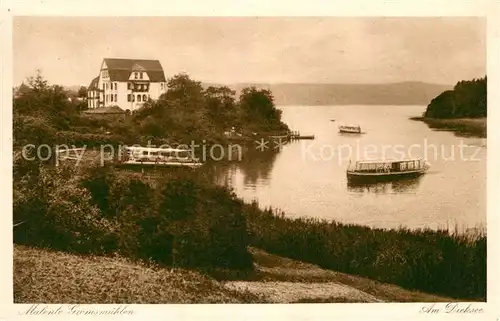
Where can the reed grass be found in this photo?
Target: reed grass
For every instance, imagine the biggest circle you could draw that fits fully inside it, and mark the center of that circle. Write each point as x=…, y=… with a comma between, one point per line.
x=434, y=261
x=462, y=126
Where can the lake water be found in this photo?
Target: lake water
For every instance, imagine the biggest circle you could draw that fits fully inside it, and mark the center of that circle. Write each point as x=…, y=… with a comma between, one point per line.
x=307, y=178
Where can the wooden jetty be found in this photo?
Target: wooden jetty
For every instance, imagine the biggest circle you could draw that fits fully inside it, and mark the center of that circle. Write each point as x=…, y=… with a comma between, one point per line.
x=288, y=136
x=295, y=135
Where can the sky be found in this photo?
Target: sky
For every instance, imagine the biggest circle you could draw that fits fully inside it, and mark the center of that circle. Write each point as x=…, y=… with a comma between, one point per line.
x=228, y=50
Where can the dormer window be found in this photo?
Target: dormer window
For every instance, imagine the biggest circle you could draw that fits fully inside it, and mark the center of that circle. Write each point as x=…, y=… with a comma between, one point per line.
x=140, y=75
x=136, y=75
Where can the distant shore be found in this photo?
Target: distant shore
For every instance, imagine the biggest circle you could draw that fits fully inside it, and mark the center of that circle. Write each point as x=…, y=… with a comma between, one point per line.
x=476, y=127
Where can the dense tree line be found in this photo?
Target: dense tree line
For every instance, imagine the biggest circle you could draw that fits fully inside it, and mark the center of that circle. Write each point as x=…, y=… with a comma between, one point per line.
x=466, y=100
x=186, y=112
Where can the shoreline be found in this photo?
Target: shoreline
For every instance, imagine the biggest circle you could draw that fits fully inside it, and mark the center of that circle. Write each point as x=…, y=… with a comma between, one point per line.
x=473, y=127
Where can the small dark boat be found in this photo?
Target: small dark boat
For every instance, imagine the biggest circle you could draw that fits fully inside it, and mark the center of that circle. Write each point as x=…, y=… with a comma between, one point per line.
x=386, y=170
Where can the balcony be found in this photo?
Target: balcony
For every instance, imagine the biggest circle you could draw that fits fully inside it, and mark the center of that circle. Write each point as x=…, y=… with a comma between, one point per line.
x=138, y=87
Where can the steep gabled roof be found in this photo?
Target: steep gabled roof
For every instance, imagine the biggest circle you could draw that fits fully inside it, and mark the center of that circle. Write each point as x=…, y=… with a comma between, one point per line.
x=120, y=69
x=94, y=84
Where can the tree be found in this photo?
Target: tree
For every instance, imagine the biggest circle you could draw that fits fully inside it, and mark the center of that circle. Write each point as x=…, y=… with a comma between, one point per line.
x=220, y=105
x=37, y=82
x=467, y=99
x=187, y=92
x=442, y=106
x=82, y=92
x=258, y=109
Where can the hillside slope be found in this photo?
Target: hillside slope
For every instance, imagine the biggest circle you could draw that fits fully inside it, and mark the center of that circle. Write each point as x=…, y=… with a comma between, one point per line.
x=57, y=277
x=403, y=93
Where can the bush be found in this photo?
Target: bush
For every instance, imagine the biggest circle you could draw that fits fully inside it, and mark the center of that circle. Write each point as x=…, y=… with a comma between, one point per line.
x=33, y=130
x=181, y=220
x=57, y=213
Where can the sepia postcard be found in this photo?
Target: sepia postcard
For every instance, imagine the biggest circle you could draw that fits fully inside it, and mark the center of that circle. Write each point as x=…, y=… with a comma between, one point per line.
x=217, y=160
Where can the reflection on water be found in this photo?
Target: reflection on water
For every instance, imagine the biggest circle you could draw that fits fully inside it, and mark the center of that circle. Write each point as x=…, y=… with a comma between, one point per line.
x=392, y=187
x=255, y=168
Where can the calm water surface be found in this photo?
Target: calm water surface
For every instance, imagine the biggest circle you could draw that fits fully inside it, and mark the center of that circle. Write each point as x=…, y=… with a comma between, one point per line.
x=307, y=178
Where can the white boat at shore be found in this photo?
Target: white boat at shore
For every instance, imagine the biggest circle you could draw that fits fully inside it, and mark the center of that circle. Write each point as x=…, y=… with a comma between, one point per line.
x=152, y=156
x=350, y=129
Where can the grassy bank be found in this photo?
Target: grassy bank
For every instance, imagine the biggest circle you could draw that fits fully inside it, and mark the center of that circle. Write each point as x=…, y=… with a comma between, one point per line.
x=426, y=260
x=462, y=126
x=58, y=277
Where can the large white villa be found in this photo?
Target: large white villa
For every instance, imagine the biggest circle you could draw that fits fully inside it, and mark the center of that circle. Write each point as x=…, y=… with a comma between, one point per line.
x=126, y=83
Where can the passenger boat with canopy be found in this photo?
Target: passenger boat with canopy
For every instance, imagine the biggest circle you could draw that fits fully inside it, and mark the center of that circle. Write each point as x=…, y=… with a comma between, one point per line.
x=386, y=170
x=152, y=156
x=350, y=129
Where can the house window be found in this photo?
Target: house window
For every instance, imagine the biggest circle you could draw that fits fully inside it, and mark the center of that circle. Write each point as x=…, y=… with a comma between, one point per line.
x=144, y=98
x=139, y=98
x=129, y=86
x=136, y=75
x=129, y=97
x=141, y=75
x=111, y=97
x=116, y=98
